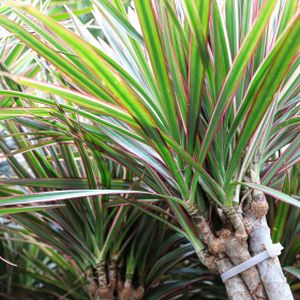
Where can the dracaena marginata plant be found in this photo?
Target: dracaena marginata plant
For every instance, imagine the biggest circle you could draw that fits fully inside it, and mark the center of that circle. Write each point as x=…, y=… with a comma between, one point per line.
x=75, y=251
x=88, y=248
x=56, y=267
x=198, y=101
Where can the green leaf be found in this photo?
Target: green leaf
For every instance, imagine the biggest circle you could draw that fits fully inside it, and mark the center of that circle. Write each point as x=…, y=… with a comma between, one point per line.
x=57, y=183
x=78, y=98
x=60, y=195
x=288, y=12
x=52, y=56
x=293, y=270
x=16, y=210
x=264, y=85
x=156, y=53
x=235, y=74
x=274, y=193
x=12, y=113
x=120, y=18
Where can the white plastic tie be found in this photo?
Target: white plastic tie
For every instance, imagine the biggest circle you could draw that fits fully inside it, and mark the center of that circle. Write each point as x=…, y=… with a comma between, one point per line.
x=272, y=250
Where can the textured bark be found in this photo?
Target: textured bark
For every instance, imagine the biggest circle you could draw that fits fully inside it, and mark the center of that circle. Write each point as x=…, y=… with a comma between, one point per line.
x=214, y=258
x=230, y=247
x=126, y=291
x=237, y=251
x=112, y=274
x=215, y=245
x=270, y=270
x=107, y=286
x=235, y=287
x=207, y=260
x=236, y=220
x=139, y=293
x=104, y=292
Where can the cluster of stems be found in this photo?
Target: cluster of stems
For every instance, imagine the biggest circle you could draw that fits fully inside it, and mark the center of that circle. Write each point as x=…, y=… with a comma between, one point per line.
x=105, y=283
x=245, y=233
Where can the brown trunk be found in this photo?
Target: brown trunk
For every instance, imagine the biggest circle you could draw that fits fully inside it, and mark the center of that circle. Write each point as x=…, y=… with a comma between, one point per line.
x=237, y=251
x=108, y=287
x=235, y=287
x=270, y=270
x=227, y=249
